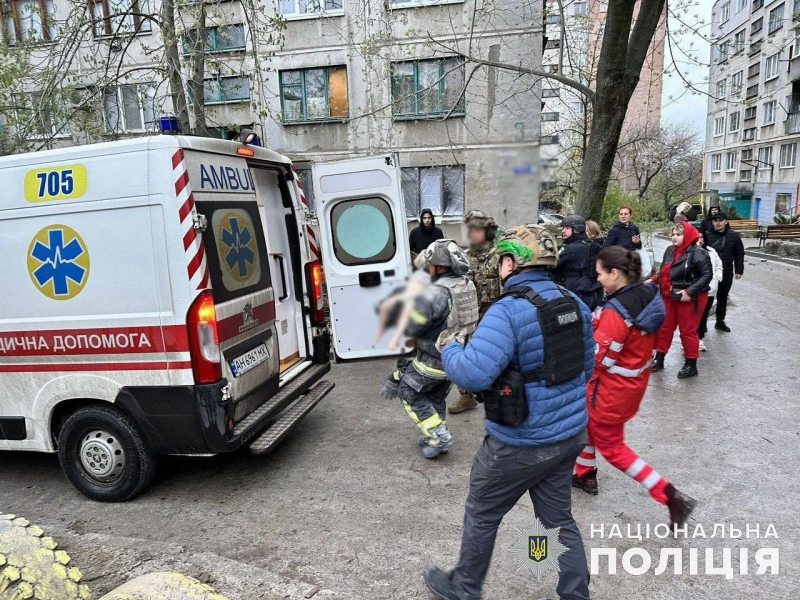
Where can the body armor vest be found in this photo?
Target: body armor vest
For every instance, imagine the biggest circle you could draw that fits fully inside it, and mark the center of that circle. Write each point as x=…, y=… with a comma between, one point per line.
x=483, y=263
x=463, y=317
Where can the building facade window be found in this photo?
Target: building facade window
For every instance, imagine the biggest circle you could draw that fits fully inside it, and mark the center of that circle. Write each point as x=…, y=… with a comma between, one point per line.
x=35, y=114
x=757, y=4
x=730, y=161
x=765, y=157
x=716, y=163
x=726, y=13
x=223, y=38
x=553, y=44
x=549, y=139
x=719, y=126
x=738, y=41
x=29, y=20
x=752, y=91
x=130, y=108
x=750, y=112
x=757, y=25
x=740, y=4
x=721, y=86
x=723, y=50
x=737, y=84
x=755, y=48
x=783, y=203
x=776, y=18
x=579, y=8
x=745, y=175
x=747, y=154
x=428, y=88
x=749, y=134
x=115, y=17
x=226, y=90
x=441, y=189
x=733, y=122
x=769, y=112
x=771, y=67
x=788, y=158
x=314, y=94
x=308, y=7
x=754, y=70
x=551, y=92
x=550, y=116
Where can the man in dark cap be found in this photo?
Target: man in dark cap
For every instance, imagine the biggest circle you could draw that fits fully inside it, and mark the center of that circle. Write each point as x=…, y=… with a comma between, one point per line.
x=730, y=248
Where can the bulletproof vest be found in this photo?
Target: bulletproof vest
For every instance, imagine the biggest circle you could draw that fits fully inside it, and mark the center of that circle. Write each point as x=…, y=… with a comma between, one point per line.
x=483, y=262
x=463, y=315
x=562, y=330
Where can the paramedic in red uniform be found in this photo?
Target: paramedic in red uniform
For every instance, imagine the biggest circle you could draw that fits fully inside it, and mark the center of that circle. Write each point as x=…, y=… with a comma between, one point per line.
x=625, y=333
x=684, y=281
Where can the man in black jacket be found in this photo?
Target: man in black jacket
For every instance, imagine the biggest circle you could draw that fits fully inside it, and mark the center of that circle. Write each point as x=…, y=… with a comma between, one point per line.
x=730, y=248
x=576, y=262
x=624, y=233
x=423, y=236
x=707, y=224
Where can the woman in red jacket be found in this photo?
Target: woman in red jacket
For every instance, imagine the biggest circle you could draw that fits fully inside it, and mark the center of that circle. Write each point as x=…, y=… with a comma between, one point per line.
x=684, y=280
x=625, y=332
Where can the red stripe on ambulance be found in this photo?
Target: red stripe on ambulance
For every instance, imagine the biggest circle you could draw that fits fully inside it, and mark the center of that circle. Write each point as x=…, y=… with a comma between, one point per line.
x=230, y=327
x=120, y=366
x=106, y=340
x=197, y=265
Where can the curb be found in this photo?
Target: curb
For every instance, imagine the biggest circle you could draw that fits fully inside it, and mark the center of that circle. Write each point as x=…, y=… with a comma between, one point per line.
x=768, y=257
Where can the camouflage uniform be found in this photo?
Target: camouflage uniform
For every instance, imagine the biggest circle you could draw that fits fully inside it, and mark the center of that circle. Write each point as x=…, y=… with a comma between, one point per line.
x=483, y=265
x=447, y=308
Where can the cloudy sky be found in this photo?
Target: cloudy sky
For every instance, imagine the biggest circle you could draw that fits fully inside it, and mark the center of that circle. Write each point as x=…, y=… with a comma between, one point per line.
x=678, y=105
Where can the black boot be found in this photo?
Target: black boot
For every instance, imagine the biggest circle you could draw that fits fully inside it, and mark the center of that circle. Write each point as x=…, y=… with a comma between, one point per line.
x=658, y=362
x=721, y=326
x=679, y=504
x=586, y=482
x=441, y=586
x=689, y=369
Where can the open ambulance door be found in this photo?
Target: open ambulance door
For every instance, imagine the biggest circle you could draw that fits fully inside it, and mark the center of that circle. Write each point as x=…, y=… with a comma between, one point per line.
x=365, y=256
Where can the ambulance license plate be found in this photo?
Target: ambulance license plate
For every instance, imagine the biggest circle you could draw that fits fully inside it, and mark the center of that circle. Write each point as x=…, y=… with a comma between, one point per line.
x=250, y=360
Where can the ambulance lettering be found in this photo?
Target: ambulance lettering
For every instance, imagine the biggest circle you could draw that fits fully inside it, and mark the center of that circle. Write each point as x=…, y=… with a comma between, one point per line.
x=226, y=178
x=58, y=262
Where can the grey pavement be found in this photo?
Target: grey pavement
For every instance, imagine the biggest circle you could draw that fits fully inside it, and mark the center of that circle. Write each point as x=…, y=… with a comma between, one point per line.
x=348, y=504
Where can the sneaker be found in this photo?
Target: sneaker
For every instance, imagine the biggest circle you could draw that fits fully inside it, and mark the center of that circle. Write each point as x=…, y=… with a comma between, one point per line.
x=720, y=325
x=466, y=401
x=702, y=346
x=679, y=504
x=586, y=482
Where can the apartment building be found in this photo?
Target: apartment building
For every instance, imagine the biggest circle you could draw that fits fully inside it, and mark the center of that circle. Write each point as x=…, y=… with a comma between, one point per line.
x=753, y=118
x=335, y=79
x=573, y=36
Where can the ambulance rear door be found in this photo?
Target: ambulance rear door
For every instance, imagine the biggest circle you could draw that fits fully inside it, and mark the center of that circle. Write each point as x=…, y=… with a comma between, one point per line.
x=365, y=256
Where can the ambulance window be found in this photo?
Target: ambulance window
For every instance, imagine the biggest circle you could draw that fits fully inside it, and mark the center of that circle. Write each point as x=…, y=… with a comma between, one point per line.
x=235, y=249
x=363, y=231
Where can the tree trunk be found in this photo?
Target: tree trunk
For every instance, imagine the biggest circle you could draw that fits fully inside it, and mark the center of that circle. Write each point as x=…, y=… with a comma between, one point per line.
x=173, y=63
x=198, y=62
x=622, y=55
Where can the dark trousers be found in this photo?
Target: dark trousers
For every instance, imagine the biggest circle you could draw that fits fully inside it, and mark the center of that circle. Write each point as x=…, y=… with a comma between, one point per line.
x=702, y=329
x=500, y=475
x=722, y=295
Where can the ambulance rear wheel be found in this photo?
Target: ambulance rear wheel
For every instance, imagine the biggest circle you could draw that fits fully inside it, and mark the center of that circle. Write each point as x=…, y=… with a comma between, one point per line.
x=104, y=455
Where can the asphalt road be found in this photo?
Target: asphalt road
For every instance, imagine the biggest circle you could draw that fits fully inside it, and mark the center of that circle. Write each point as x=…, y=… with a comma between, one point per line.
x=348, y=504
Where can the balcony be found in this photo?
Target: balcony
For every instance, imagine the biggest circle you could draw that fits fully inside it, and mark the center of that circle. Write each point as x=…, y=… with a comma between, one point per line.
x=792, y=123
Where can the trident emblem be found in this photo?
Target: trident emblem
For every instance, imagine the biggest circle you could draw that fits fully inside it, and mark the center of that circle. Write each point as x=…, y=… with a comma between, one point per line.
x=537, y=550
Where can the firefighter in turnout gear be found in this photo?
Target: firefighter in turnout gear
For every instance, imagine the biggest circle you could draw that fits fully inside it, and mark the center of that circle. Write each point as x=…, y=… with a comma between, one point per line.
x=482, y=254
x=447, y=310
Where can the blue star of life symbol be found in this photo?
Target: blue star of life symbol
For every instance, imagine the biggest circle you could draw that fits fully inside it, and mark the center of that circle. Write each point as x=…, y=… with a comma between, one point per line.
x=58, y=263
x=239, y=255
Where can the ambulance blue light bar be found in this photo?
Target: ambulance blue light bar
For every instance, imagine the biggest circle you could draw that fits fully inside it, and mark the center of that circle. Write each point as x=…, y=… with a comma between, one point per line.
x=168, y=124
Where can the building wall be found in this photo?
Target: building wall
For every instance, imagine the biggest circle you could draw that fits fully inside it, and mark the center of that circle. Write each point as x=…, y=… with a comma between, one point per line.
x=495, y=140
x=765, y=183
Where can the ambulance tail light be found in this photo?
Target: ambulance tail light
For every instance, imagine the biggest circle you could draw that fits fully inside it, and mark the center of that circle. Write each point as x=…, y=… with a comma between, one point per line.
x=314, y=276
x=203, y=339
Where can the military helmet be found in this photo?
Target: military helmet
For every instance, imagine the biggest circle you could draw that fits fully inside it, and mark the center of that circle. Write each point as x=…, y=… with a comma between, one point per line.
x=444, y=253
x=576, y=222
x=530, y=245
x=478, y=218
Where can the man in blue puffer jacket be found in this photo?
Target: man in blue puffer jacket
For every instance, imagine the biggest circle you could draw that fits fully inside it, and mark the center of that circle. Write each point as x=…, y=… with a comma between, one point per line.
x=536, y=457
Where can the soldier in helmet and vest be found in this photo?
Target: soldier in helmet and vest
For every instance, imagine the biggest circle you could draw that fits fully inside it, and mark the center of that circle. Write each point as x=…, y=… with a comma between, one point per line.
x=482, y=254
x=448, y=308
x=530, y=357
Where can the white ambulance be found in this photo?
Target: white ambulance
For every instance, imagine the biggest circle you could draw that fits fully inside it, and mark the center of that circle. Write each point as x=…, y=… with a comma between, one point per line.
x=163, y=296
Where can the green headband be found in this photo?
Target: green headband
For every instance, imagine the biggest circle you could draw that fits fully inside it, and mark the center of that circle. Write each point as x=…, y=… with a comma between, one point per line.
x=515, y=248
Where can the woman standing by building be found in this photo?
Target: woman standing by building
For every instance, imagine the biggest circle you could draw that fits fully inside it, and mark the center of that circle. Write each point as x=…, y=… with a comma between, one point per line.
x=684, y=279
x=625, y=334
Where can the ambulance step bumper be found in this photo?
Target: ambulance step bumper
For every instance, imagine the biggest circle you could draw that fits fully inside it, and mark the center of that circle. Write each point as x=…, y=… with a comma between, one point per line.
x=298, y=386
x=291, y=417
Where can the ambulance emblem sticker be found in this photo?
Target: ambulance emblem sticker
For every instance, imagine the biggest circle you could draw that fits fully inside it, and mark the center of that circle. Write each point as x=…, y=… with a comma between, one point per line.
x=238, y=250
x=58, y=262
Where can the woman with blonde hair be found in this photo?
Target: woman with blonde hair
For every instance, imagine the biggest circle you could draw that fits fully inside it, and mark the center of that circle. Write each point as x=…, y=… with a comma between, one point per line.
x=593, y=232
